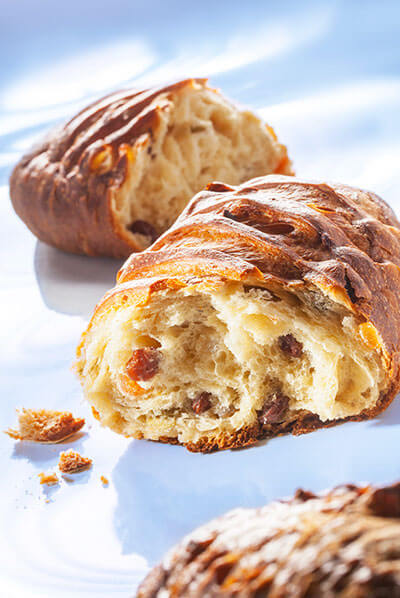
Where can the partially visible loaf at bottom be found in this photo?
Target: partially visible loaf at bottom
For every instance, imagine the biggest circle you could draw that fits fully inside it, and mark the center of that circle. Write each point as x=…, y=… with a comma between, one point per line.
x=343, y=543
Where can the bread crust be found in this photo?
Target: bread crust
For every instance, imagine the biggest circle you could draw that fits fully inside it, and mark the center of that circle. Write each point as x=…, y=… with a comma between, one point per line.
x=287, y=233
x=66, y=187
x=345, y=543
x=45, y=425
x=72, y=462
x=303, y=422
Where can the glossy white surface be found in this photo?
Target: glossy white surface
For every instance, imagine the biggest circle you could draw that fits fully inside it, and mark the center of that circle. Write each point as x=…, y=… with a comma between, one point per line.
x=325, y=76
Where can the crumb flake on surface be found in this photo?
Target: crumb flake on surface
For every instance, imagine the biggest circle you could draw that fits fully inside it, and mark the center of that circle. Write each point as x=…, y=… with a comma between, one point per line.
x=104, y=480
x=72, y=462
x=45, y=425
x=50, y=479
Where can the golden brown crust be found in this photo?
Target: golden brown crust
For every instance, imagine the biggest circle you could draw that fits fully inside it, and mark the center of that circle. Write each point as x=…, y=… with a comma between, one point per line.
x=72, y=462
x=345, y=543
x=293, y=232
x=45, y=425
x=64, y=188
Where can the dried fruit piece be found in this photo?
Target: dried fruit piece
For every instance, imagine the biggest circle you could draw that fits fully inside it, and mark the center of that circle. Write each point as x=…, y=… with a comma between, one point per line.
x=102, y=162
x=201, y=402
x=290, y=345
x=141, y=227
x=72, y=462
x=274, y=410
x=50, y=479
x=44, y=425
x=144, y=363
x=95, y=413
x=228, y=214
x=385, y=502
x=277, y=228
x=369, y=334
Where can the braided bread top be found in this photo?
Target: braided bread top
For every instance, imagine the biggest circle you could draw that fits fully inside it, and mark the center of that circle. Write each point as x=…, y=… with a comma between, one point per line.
x=293, y=232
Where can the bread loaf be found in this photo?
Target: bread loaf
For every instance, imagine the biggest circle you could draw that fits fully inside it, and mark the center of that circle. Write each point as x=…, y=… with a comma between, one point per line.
x=267, y=308
x=113, y=178
x=344, y=544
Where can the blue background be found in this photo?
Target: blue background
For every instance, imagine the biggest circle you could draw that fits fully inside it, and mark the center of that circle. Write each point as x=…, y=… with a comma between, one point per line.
x=326, y=75
x=289, y=49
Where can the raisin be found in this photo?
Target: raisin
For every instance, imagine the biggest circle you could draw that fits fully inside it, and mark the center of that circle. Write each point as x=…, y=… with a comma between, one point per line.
x=304, y=495
x=144, y=363
x=227, y=214
x=350, y=289
x=201, y=402
x=288, y=344
x=276, y=228
x=141, y=227
x=385, y=502
x=274, y=410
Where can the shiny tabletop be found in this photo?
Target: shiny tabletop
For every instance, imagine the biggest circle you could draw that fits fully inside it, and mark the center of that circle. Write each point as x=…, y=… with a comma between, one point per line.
x=326, y=76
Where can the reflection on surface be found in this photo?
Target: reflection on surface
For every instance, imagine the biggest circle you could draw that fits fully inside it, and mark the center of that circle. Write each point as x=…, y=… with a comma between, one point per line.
x=123, y=60
x=72, y=284
x=81, y=75
x=164, y=491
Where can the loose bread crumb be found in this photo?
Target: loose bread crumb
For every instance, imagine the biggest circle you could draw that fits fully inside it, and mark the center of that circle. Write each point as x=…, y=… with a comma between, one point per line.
x=104, y=480
x=96, y=414
x=72, y=462
x=50, y=479
x=45, y=425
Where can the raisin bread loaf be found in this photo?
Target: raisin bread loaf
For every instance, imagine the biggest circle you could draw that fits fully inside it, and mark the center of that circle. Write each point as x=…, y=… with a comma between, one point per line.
x=267, y=308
